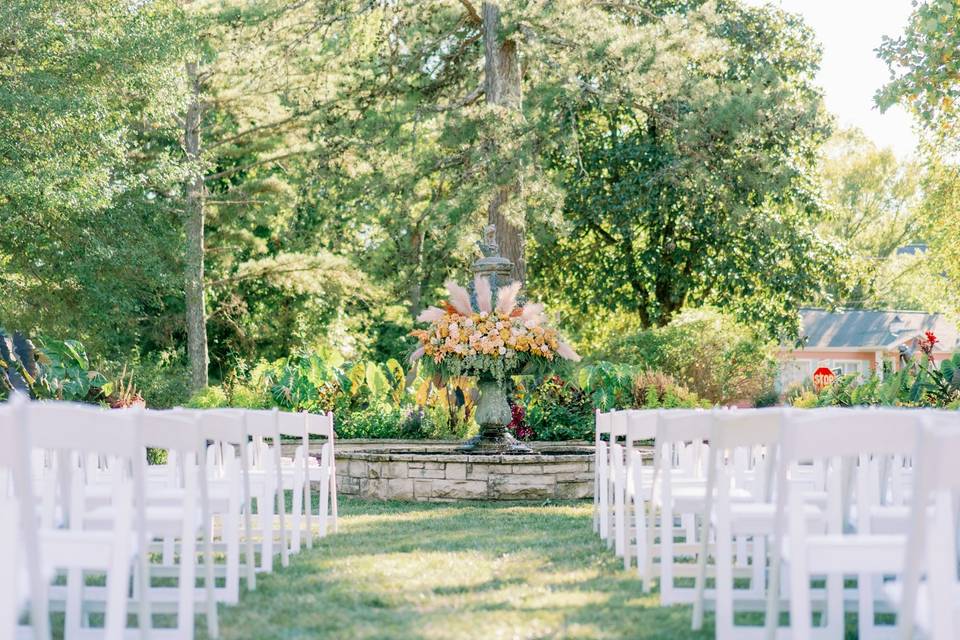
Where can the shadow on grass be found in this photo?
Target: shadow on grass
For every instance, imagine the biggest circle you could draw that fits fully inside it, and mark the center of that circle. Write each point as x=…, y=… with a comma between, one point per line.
x=460, y=570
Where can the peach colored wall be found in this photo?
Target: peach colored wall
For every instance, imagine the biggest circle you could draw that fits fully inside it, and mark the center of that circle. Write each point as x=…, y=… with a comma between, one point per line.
x=813, y=354
x=868, y=356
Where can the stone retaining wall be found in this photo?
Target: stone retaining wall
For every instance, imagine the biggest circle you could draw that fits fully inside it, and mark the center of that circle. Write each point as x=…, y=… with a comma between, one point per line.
x=440, y=476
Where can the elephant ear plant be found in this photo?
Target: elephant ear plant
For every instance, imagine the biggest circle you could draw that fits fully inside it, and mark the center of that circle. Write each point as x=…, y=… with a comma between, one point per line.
x=56, y=370
x=18, y=364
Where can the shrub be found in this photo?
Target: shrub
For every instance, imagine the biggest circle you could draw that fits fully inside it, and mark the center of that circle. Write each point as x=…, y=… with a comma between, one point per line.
x=711, y=354
x=162, y=378
x=381, y=421
x=559, y=410
x=655, y=390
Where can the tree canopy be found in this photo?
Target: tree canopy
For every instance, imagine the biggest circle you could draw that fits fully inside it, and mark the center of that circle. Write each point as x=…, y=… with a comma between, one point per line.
x=253, y=179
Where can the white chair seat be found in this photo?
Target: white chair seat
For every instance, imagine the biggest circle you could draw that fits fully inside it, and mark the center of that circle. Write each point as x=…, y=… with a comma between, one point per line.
x=853, y=553
x=161, y=520
x=757, y=517
x=66, y=548
x=691, y=499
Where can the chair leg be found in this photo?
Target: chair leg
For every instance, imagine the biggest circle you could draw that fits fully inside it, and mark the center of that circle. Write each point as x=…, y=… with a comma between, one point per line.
x=115, y=623
x=73, y=616
x=232, y=537
x=296, y=517
x=324, y=506
x=265, y=507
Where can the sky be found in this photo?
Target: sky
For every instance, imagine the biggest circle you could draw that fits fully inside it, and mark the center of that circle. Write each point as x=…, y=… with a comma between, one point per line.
x=851, y=73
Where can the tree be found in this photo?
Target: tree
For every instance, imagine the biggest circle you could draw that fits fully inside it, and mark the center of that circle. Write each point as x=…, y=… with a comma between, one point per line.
x=924, y=68
x=924, y=72
x=870, y=201
x=701, y=193
x=84, y=249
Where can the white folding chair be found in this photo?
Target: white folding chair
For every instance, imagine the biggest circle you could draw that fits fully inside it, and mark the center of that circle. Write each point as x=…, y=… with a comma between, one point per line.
x=601, y=475
x=10, y=601
x=79, y=432
x=323, y=472
x=742, y=456
x=181, y=513
x=840, y=439
x=929, y=594
x=293, y=476
x=267, y=483
x=678, y=489
x=618, y=484
x=641, y=425
x=20, y=544
x=230, y=492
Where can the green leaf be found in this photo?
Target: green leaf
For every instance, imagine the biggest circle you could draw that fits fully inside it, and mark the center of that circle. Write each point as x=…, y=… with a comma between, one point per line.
x=377, y=381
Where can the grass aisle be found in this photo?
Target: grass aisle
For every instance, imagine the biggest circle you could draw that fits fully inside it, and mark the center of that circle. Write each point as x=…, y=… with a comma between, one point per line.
x=402, y=570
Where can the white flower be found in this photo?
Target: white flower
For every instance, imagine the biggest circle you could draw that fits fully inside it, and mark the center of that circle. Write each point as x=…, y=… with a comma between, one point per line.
x=502, y=350
x=499, y=324
x=483, y=315
x=544, y=348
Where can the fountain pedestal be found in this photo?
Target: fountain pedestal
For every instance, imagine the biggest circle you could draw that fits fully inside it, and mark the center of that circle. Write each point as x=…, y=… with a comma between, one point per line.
x=493, y=415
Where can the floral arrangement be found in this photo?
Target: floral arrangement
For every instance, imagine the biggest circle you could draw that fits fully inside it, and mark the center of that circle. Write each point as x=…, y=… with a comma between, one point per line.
x=489, y=335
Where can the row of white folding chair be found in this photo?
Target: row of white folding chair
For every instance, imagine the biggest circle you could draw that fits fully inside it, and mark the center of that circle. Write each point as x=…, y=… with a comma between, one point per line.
x=737, y=436
x=929, y=593
x=265, y=475
x=624, y=484
x=812, y=508
x=106, y=534
x=845, y=441
x=812, y=513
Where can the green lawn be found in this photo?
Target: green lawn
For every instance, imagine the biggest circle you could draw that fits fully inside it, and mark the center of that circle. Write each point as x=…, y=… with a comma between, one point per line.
x=402, y=570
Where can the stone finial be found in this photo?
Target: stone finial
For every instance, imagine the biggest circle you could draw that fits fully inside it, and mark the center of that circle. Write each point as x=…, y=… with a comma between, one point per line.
x=488, y=246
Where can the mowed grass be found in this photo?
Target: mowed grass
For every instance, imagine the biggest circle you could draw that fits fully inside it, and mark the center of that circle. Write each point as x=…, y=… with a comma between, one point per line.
x=461, y=570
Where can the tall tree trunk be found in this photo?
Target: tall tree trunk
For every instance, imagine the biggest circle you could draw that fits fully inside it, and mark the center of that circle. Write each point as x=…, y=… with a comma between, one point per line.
x=194, y=221
x=503, y=87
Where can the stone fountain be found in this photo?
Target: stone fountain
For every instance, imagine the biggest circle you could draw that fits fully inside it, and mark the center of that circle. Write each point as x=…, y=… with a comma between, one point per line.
x=491, y=466
x=493, y=410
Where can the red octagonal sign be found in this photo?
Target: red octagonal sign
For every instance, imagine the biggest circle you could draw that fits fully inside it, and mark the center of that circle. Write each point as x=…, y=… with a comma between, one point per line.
x=823, y=378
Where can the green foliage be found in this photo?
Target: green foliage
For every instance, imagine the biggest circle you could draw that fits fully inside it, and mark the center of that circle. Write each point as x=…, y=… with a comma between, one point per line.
x=872, y=208
x=924, y=67
x=710, y=353
x=608, y=385
x=163, y=378
x=559, y=410
x=922, y=385
x=86, y=250
x=704, y=193
x=65, y=372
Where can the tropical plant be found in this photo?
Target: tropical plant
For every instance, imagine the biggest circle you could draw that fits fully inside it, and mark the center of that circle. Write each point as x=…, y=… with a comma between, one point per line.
x=608, y=385
x=65, y=372
x=559, y=410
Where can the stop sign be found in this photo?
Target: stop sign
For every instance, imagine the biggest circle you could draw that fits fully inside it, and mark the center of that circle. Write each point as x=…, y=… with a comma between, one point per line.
x=823, y=378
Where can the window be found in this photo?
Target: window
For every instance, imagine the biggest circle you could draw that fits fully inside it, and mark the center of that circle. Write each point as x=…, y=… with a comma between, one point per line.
x=794, y=372
x=846, y=367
